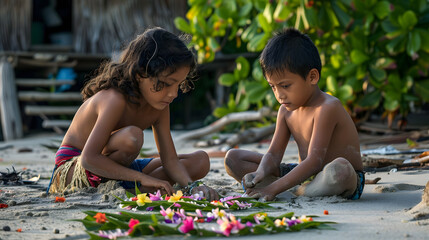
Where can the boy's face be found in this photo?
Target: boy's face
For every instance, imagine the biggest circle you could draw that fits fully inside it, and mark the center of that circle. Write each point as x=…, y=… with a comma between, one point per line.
x=170, y=88
x=291, y=90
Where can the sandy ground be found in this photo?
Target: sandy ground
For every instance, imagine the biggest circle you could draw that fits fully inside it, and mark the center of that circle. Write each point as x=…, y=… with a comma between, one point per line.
x=385, y=210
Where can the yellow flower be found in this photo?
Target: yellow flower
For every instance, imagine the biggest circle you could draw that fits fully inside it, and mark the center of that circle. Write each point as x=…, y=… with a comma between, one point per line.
x=261, y=216
x=176, y=196
x=279, y=222
x=142, y=199
x=304, y=218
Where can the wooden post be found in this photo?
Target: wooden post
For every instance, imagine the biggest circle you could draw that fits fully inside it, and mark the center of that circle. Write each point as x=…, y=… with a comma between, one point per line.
x=9, y=108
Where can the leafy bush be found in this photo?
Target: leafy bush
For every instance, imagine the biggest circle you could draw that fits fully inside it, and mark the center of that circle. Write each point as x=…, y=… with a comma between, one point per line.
x=375, y=54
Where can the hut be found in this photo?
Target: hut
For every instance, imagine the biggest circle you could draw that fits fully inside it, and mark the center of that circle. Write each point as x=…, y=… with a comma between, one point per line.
x=47, y=47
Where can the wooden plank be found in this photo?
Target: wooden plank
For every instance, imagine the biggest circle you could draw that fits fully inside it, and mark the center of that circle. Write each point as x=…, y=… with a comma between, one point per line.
x=48, y=96
x=50, y=110
x=30, y=82
x=9, y=108
x=56, y=123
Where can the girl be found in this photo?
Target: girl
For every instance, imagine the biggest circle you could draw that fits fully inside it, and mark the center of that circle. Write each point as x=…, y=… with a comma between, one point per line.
x=106, y=134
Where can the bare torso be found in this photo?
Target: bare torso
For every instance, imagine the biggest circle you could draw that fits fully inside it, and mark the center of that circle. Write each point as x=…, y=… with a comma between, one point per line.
x=344, y=141
x=87, y=115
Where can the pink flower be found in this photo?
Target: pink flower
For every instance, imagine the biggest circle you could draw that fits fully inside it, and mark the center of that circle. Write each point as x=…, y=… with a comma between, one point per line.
x=231, y=225
x=188, y=225
x=155, y=197
x=131, y=224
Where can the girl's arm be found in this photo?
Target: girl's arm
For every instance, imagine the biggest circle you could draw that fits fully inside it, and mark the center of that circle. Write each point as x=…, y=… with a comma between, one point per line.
x=109, y=107
x=174, y=169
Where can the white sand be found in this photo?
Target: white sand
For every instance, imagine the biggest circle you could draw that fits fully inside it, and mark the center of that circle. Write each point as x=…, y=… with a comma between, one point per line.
x=383, y=212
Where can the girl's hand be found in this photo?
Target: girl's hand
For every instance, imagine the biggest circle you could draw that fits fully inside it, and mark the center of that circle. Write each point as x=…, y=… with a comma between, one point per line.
x=209, y=193
x=162, y=185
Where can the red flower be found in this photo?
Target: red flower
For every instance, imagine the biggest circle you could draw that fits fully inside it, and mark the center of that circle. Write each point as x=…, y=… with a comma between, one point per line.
x=19, y=230
x=100, y=218
x=326, y=212
x=60, y=199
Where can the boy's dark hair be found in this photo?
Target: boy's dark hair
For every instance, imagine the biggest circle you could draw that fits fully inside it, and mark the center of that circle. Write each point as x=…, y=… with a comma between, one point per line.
x=290, y=50
x=153, y=54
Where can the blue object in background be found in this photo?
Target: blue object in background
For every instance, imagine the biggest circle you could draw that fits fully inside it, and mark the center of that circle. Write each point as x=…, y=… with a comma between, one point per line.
x=65, y=74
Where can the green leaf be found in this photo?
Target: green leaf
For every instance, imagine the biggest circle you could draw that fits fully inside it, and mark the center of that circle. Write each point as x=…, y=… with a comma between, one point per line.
x=331, y=84
x=378, y=74
x=282, y=12
x=345, y=93
x=221, y=111
x=263, y=22
x=227, y=79
x=213, y=44
x=243, y=67
x=422, y=89
x=250, y=31
x=424, y=35
x=391, y=104
x=257, y=43
x=370, y=100
x=382, y=9
x=414, y=43
x=348, y=69
x=408, y=20
x=342, y=16
x=245, y=9
x=358, y=57
x=182, y=25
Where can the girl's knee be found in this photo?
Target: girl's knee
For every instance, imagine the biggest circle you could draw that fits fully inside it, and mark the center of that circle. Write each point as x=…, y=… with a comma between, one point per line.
x=132, y=140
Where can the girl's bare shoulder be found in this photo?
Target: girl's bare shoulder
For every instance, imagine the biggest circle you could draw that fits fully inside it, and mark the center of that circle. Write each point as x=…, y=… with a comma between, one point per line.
x=109, y=96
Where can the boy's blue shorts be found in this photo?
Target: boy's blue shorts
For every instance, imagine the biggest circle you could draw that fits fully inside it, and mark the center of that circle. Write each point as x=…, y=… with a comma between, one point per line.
x=137, y=165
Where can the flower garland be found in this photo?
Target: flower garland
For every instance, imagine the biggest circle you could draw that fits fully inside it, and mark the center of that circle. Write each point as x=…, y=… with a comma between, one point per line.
x=180, y=215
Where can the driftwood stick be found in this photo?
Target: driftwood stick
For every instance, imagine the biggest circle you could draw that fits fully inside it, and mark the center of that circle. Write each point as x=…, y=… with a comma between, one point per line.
x=250, y=135
x=219, y=124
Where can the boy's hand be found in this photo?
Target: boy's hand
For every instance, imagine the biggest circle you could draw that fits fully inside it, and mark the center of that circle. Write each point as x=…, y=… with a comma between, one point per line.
x=209, y=193
x=262, y=194
x=251, y=179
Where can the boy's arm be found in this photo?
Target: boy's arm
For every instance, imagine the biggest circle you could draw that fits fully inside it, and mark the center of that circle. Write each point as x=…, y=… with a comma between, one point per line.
x=271, y=160
x=323, y=127
x=161, y=131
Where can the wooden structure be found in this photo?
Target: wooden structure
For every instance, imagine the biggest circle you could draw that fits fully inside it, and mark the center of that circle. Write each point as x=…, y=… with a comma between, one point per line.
x=99, y=30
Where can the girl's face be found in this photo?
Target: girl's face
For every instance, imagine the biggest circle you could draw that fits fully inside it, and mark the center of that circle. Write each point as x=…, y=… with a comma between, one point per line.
x=291, y=90
x=170, y=88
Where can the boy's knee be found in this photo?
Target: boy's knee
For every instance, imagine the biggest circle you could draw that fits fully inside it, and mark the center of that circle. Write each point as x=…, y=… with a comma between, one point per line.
x=229, y=158
x=340, y=170
x=202, y=162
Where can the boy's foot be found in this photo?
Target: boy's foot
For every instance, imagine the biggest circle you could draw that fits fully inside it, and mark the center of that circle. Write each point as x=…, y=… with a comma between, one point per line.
x=285, y=168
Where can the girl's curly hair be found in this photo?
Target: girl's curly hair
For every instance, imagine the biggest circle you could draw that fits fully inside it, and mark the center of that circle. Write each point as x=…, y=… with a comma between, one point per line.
x=152, y=54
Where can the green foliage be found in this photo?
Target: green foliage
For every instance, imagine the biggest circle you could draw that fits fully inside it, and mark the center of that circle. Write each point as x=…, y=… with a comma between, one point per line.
x=375, y=54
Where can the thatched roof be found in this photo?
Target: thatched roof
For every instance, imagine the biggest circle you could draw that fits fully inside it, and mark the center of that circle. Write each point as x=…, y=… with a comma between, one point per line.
x=99, y=26
x=15, y=25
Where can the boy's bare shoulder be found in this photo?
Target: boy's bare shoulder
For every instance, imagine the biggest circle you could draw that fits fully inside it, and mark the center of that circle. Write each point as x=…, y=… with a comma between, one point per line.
x=330, y=103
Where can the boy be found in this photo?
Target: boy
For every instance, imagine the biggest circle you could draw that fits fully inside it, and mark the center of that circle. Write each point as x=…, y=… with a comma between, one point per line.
x=325, y=134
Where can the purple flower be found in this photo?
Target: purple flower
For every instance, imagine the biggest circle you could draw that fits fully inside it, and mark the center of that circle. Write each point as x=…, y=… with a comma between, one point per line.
x=149, y=208
x=155, y=197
